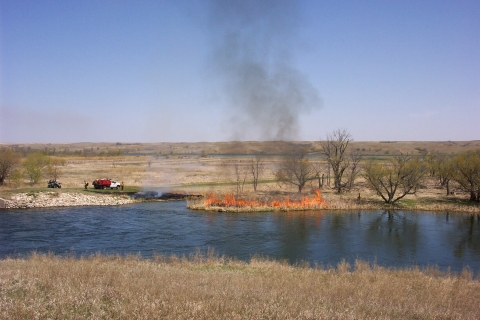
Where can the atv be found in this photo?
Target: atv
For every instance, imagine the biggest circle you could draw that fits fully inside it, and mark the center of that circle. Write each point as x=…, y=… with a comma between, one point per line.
x=54, y=184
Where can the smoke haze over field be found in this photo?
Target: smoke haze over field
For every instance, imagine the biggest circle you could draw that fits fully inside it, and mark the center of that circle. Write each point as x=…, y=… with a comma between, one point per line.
x=253, y=57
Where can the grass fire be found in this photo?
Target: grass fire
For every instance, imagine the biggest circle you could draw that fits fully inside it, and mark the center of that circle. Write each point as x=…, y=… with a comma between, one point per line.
x=228, y=202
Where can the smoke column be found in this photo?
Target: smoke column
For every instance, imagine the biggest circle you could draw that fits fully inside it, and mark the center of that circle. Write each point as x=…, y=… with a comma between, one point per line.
x=252, y=56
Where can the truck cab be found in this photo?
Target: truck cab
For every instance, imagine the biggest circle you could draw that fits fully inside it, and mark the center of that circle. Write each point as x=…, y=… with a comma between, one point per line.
x=114, y=184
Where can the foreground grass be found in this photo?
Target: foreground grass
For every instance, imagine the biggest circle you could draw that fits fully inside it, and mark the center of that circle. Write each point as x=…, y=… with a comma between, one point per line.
x=199, y=287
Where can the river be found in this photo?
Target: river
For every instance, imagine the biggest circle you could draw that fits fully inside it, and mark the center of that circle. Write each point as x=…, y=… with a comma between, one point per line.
x=394, y=239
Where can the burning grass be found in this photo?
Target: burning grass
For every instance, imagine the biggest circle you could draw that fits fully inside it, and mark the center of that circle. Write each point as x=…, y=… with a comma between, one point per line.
x=228, y=202
x=205, y=175
x=211, y=287
x=327, y=200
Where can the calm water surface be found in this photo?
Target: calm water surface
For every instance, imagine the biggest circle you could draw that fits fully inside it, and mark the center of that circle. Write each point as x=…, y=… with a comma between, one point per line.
x=398, y=239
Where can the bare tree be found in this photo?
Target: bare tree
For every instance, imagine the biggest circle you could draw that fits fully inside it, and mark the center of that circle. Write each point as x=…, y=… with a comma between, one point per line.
x=53, y=169
x=319, y=175
x=352, y=171
x=296, y=169
x=345, y=168
x=256, y=169
x=8, y=161
x=394, y=180
x=240, y=173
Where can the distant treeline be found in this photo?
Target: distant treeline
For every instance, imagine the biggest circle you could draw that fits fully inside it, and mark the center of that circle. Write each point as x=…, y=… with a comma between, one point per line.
x=86, y=152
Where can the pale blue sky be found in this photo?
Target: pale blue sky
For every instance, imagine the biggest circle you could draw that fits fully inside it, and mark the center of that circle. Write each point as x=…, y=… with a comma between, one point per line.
x=154, y=71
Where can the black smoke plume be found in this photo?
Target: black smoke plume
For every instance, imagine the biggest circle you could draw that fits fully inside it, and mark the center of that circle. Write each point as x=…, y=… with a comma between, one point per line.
x=253, y=47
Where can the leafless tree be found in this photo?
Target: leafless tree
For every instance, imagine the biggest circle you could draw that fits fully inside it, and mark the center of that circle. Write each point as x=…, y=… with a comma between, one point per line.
x=345, y=167
x=257, y=167
x=53, y=169
x=353, y=170
x=240, y=172
x=296, y=169
x=319, y=175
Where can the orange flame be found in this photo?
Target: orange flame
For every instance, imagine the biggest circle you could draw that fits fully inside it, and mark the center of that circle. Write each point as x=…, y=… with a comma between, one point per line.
x=229, y=201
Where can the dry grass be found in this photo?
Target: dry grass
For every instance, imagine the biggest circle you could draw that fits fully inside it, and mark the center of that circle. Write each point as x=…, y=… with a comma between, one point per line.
x=208, y=287
x=376, y=148
x=425, y=200
x=185, y=171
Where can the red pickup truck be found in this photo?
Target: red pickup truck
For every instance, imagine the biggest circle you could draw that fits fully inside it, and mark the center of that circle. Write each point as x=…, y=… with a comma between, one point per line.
x=105, y=183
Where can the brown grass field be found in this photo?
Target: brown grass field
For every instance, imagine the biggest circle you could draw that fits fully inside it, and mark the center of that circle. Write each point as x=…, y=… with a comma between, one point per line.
x=209, y=287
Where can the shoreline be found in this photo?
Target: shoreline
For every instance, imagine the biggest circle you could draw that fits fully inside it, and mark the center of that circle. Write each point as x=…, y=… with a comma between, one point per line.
x=51, y=199
x=431, y=208
x=346, y=203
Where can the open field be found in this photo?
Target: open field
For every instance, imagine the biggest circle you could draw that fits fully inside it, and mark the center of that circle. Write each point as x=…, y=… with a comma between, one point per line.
x=208, y=167
x=209, y=287
x=367, y=148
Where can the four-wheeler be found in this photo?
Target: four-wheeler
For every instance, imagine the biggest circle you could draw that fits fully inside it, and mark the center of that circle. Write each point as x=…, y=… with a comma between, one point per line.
x=54, y=184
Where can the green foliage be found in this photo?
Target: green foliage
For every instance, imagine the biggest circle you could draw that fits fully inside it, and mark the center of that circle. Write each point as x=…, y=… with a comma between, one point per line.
x=467, y=173
x=16, y=177
x=441, y=166
x=402, y=175
x=115, y=152
x=34, y=166
x=8, y=161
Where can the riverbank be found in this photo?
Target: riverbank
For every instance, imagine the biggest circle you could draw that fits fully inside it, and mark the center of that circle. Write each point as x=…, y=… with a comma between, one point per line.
x=45, y=199
x=349, y=202
x=64, y=199
x=210, y=287
x=165, y=167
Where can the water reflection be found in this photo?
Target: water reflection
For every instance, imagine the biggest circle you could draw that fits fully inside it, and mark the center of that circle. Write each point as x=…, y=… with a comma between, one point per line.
x=391, y=238
x=396, y=233
x=468, y=236
x=297, y=230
